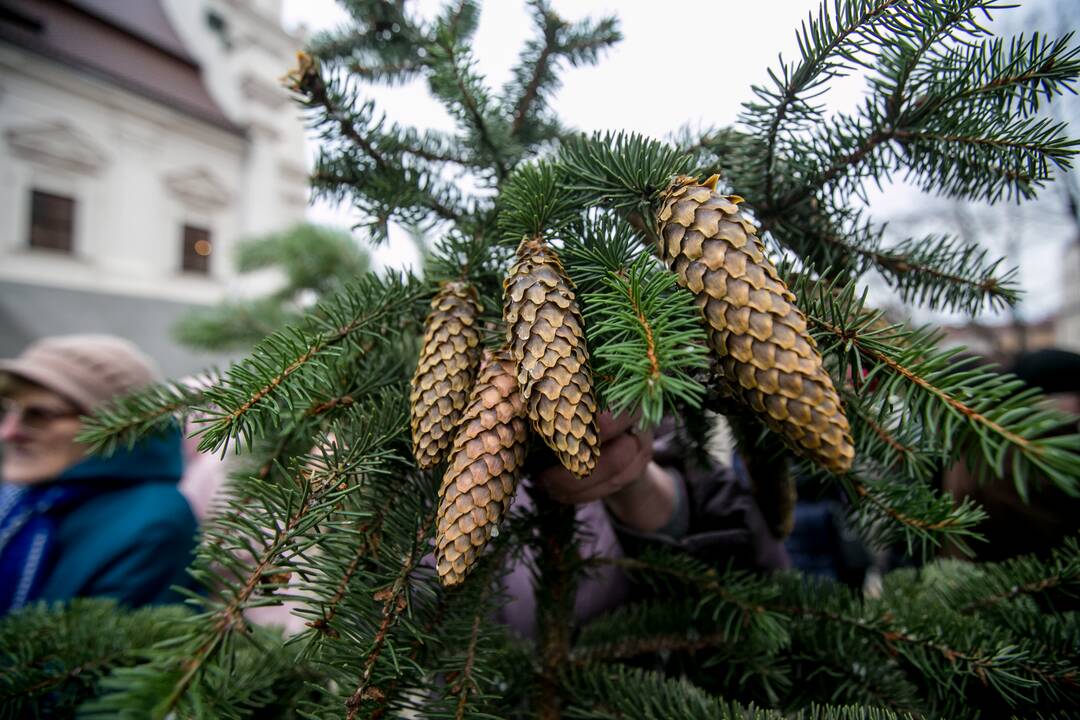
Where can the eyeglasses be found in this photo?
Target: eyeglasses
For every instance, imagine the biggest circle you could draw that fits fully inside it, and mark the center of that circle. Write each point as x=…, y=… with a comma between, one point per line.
x=34, y=417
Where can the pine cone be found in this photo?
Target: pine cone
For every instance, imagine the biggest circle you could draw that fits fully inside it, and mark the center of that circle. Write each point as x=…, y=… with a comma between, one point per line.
x=768, y=359
x=546, y=337
x=444, y=376
x=479, y=484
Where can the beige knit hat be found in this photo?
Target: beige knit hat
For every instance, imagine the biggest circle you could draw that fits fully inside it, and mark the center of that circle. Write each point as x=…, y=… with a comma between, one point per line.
x=89, y=370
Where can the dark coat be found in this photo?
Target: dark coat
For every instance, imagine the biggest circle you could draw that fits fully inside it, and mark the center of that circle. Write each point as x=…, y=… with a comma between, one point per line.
x=116, y=527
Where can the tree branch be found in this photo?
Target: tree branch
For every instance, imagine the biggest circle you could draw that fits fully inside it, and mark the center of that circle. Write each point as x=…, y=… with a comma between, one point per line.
x=395, y=601
x=531, y=90
x=469, y=103
x=903, y=518
x=970, y=413
x=796, y=84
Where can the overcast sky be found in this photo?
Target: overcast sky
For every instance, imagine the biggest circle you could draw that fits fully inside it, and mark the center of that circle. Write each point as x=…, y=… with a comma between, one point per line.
x=679, y=62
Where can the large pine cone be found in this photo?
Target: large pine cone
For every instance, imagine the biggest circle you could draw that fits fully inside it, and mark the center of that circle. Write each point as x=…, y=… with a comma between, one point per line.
x=479, y=484
x=546, y=337
x=444, y=376
x=768, y=359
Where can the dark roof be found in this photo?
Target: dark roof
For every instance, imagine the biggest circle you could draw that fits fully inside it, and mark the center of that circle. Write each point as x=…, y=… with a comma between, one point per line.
x=130, y=44
x=145, y=19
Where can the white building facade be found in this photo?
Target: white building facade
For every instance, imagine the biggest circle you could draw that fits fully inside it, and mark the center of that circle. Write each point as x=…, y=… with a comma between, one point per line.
x=139, y=140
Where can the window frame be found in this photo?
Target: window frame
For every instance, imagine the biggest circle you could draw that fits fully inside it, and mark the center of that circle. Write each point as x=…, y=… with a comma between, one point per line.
x=33, y=226
x=192, y=262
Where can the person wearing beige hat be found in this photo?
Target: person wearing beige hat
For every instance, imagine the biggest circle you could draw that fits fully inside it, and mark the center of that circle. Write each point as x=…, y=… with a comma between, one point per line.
x=72, y=524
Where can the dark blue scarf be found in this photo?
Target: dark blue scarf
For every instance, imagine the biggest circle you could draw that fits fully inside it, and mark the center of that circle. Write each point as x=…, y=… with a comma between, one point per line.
x=30, y=514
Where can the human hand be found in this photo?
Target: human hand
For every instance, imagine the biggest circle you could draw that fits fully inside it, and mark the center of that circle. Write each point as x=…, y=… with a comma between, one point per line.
x=636, y=490
x=624, y=454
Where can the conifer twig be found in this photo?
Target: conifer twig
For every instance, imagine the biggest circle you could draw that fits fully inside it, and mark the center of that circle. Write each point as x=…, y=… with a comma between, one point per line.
x=473, y=110
x=370, y=532
x=799, y=80
x=532, y=89
x=465, y=680
x=394, y=602
x=901, y=517
x=558, y=563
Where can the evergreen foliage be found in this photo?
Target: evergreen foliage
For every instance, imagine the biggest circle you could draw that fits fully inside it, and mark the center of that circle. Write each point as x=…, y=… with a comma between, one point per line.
x=53, y=658
x=329, y=511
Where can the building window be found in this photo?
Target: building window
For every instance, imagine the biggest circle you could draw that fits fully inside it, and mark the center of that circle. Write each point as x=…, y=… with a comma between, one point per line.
x=52, y=221
x=197, y=249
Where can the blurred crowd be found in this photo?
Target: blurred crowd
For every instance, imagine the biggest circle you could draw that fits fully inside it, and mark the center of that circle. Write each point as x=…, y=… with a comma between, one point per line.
x=125, y=525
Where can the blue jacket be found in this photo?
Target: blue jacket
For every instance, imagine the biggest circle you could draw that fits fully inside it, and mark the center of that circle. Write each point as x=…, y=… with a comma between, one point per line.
x=114, y=527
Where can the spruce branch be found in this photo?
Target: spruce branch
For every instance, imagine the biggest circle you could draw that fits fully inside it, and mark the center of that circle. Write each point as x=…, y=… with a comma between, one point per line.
x=944, y=272
x=388, y=74
x=690, y=626
x=750, y=595
x=647, y=342
x=465, y=682
x=535, y=75
x=987, y=76
x=935, y=113
x=54, y=657
x=429, y=146
x=827, y=43
x=982, y=415
x=416, y=195
x=237, y=545
x=607, y=692
x=373, y=161
x=941, y=23
x=537, y=63
x=623, y=171
x=367, y=542
x=1007, y=583
x=931, y=647
x=936, y=271
x=383, y=42
x=897, y=442
x=534, y=202
x=454, y=81
x=558, y=567
x=912, y=512
x=395, y=600
x=916, y=622
x=125, y=420
x=319, y=485
x=248, y=398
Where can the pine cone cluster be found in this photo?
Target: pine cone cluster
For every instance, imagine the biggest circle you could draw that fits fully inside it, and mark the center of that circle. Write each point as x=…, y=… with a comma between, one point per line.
x=487, y=456
x=546, y=336
x=445, y=373
x=767, y=357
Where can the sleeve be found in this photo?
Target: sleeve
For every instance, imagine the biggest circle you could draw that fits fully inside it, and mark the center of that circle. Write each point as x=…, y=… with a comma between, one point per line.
x=716, y=518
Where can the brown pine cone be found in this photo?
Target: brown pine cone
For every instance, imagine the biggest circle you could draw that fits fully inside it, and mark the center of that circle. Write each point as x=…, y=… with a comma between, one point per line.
x=479, y=484
x=546, y=337
x=767, y=357
x=444, y=375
